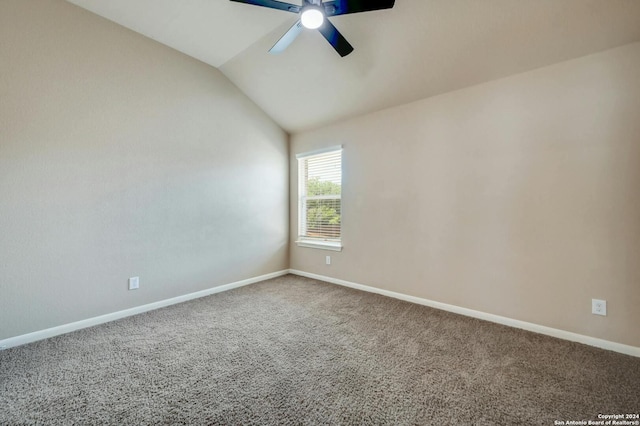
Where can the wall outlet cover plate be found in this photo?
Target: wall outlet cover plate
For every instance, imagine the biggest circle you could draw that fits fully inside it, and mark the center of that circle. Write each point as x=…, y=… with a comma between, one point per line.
x=134, y=283
x=599, y=307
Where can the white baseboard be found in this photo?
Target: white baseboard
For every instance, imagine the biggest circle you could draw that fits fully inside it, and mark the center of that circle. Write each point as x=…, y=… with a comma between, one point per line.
x=561, y=334
x=90, y=322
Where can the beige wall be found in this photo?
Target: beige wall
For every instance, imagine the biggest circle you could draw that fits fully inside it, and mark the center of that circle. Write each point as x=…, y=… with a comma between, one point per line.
x=120, y=157
x=518, y=197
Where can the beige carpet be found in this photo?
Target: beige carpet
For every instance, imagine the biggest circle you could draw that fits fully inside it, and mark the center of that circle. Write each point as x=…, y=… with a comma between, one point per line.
x=298, y=351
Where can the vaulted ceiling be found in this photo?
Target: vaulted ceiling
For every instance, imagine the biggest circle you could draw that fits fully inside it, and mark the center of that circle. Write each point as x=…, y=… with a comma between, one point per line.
x=418, y=49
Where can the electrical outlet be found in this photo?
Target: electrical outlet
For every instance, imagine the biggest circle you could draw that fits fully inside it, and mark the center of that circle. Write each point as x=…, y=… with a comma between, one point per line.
x=599, y=307
x=134, y=283
x=328, y=260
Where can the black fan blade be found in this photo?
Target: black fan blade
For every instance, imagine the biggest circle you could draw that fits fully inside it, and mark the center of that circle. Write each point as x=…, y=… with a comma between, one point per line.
x=273, y=4
x=287, y=38
x=343, y=7
x=336, y=39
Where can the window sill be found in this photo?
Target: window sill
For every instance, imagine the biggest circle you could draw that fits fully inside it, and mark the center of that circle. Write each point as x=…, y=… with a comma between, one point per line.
x=322, y=245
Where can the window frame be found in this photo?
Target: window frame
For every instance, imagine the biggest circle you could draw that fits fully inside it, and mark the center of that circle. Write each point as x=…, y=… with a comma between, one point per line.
x=302, y=240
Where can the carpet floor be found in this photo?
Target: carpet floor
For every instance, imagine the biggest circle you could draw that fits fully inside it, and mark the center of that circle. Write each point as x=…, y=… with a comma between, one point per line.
x=297, y=351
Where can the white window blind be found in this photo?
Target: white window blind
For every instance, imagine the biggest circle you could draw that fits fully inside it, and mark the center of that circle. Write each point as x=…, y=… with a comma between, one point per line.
x=320, y=193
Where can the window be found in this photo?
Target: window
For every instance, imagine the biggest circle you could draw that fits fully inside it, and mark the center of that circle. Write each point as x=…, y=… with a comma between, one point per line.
x=319, y=199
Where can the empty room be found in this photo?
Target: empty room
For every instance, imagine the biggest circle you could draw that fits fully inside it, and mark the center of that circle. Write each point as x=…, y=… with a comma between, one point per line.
x=350, y=212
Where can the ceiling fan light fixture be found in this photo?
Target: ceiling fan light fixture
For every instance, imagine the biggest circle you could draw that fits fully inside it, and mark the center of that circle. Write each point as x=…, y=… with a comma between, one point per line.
x=312, y=17
x=314, y=14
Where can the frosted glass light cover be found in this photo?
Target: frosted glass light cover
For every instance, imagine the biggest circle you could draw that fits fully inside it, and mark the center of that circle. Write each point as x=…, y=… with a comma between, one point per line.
x=312, y=18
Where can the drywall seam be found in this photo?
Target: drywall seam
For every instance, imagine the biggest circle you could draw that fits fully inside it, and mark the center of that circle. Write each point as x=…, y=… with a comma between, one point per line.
x=90, y=322
x=561, y=334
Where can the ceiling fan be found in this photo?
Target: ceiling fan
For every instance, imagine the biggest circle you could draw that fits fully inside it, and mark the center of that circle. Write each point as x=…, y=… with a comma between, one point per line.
x=314, y=14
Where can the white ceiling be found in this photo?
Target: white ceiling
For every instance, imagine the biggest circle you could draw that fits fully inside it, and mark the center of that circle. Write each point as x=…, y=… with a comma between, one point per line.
x=420, y=48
